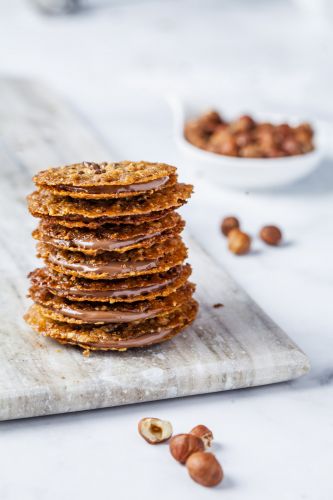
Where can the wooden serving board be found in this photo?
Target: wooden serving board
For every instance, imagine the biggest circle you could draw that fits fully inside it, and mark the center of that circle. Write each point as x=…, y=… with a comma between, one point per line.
x=227, y=348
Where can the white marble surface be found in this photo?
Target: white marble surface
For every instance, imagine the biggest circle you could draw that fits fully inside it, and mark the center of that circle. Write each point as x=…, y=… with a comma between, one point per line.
x=114, y=64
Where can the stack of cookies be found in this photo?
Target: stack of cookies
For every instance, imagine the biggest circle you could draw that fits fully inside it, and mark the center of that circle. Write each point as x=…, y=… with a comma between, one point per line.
x=114, y=275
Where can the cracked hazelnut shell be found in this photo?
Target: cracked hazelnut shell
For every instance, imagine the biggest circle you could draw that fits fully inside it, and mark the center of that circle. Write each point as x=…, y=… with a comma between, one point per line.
x=154, y=430
x=202, y=432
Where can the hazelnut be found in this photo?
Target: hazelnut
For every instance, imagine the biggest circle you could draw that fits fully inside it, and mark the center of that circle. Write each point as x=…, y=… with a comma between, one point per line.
x=302, y=137
x=223, y=142
x=209, y=121
x=243, y=124
x=304, y=132
x=202, y=432
x=183, y=445
x=283, y=130
x=275, y=153
x=154, y=430
x=271, y=235
x=228, y=148
x=239, y=243
x=243, y=139
x=205, y=469
x=194, y=133
x=291, y=146
x=265, y=139
x=220, y=127
x=265, y=127
x=228, y=224
x=251, y=151
x=221, y=135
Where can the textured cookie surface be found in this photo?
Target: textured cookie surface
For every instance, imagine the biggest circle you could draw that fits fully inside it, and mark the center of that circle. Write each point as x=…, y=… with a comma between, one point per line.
x=102, y=174
x=114, y=337
x=109, y=238
x=111, y=265
x=42, y=203
x=64, y=310
x=124, y=290
x=73, y=221
x=107, y=191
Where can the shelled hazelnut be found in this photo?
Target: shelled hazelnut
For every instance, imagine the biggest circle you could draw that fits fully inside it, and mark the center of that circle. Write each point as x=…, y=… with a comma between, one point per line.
x=244, y=137
x=222, y=142
x=271, y=235
x=242, y=124
x=196, y=135
x=210, y=120
x=189, y=449
x=183, y=445
x=251, y=151
x=228, y=224
x=205, y=469
x=239, y=243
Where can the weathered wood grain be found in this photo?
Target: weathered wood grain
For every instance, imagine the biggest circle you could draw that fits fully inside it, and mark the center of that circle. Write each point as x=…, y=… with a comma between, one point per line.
x=227, y=348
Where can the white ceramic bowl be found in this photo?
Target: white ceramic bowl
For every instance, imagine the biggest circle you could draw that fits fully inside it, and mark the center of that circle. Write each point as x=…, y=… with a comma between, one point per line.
x=243, y=173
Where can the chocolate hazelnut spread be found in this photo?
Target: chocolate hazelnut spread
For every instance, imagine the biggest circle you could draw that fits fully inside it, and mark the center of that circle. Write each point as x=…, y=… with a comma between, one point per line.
x=112, y=269
x=149, y=338
x=129, y=188
x=121, y=293
x=100, y=244
x=105, y=316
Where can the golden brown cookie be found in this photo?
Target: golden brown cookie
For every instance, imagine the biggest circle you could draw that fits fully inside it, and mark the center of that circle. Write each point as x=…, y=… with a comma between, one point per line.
x=65, y=310
x=109, y=238
x=111, y=265
x=121, y=290
x=91, y=180
x=43, y=203
x=73, y=221
x=113, y=336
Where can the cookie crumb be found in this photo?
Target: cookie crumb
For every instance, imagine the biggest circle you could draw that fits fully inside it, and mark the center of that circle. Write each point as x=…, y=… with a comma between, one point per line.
x=218, y=305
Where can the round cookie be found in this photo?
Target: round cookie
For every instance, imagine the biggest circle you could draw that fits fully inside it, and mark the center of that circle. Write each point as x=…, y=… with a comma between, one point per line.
x=91, y=180
x=124, y=290
x=73, y=221
x=64, y=310
x=109, y=238
x=114, y=337
x=112, y=265
x=42, y=203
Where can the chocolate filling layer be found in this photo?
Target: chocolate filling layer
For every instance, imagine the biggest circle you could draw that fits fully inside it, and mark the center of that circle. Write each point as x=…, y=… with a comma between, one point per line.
x=122, y=293
x=112, y=269
x=149, y=338
x=99, y=244
x=95, y=316
x=129, y=188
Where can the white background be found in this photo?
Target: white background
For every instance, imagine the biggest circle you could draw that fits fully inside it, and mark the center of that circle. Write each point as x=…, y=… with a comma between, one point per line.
x=115, y=63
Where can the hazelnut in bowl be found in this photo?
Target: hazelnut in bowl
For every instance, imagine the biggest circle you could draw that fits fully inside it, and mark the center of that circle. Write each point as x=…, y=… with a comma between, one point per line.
x=240, y=151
